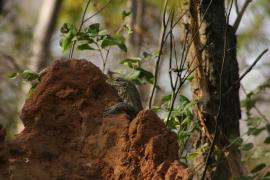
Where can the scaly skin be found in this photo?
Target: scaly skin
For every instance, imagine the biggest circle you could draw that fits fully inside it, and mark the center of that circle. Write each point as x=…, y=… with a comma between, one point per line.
x=130, y=101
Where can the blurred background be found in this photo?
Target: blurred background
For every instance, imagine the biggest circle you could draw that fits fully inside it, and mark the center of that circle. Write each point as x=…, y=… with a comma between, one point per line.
x=30, y=34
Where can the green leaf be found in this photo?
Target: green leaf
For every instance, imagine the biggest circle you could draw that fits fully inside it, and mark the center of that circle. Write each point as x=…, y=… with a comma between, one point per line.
x=147, y=75
x=128, y=29
x=93, y=29
x=31, y=90
x=132, y=62
x=125, y=14
x=66, y=41
x=166, y=98
x=258, y=168
x=249, y=103
x=257, y=131
x=267, y=140
x=115, y=40
x=68, y=34
x=156, y=109
x=192, y=156
x=190, y=77
x=183, y=100
x=85, y=47
x=247, y=147
x=67, y=27
x=84, y=37
x=133, y=76
x=29, y=75
x=13, y=75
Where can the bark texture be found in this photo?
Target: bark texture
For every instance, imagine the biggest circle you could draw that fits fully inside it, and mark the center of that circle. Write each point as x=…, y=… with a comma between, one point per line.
x=213, y=54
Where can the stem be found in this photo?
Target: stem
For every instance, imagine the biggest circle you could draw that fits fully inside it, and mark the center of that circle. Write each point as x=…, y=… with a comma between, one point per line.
x=159, y=55
x=79, y=30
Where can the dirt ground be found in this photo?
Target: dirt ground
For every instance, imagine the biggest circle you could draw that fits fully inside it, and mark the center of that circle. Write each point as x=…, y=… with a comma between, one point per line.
x=67, y=137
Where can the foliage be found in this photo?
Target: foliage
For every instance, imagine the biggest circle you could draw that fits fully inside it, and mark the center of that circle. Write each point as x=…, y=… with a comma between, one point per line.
x=134, y=71
x=27, y=76
x=256, y=125
x=181, y=121
x=89, y=37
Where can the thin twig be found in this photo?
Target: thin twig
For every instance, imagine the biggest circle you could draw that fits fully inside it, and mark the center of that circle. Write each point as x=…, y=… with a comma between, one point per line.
x=79, y=30
x=236, y=7
x=171, y=54
x=85, y=20
x=245, y=73
x=240, y=15
x=99, y=11
x=165, y=24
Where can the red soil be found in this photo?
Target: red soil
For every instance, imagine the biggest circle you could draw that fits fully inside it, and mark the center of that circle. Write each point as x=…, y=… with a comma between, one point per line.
x=66, y=136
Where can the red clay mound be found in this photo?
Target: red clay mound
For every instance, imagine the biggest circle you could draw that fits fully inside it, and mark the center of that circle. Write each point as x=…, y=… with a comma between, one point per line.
x=66, y=136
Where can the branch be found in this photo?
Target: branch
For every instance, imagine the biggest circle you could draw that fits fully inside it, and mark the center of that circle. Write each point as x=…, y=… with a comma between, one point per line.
x=245, y=73
x=165, y=25
x=100, y=10
x=79, y=30
x=236, y=7
x=240, y=15
x=85, y=20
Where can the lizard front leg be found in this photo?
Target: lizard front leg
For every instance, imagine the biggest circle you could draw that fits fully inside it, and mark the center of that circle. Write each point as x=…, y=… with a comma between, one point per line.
x=130, y=110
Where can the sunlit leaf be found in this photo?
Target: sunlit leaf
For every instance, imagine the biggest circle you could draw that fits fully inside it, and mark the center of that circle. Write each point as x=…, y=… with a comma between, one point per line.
x=29, y=75
x=190, y=77
x=132, y=62
x=156, y=109
x=115, y=40
x=128, y=29
x=192, y=156
x=68, y=34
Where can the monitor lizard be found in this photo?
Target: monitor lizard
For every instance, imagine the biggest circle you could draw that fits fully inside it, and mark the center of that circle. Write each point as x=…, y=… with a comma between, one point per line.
x=130, y=101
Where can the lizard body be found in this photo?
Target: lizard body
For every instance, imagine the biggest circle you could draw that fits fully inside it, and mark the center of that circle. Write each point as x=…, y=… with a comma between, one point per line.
x=130, y=101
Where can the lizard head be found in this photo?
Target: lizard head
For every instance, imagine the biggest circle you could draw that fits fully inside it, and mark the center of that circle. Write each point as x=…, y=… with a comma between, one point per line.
x=118, y=82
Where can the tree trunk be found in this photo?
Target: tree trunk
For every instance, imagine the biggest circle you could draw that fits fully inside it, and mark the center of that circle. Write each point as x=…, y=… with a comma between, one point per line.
x=212, y=53
x=43, y=33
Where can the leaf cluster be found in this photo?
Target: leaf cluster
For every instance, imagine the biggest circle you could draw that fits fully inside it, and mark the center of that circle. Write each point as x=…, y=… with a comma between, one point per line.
x=90, y=38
